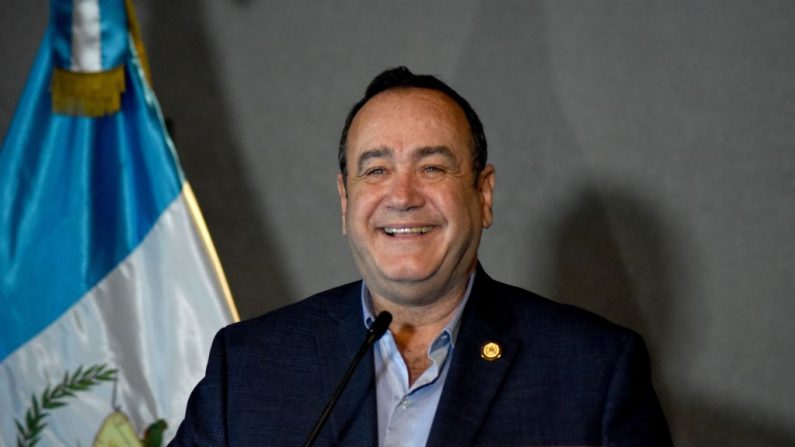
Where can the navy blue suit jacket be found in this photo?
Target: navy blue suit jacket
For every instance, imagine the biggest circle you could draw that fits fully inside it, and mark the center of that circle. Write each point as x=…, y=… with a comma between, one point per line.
x=565, y=378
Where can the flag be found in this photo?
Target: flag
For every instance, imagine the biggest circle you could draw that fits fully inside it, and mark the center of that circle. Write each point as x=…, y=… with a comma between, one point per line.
x=110, y=289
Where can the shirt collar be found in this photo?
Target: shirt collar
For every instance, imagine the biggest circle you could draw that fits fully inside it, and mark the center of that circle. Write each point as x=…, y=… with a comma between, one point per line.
x=452, y=326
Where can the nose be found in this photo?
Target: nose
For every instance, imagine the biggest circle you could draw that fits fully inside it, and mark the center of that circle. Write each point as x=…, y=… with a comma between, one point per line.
x=404, y=193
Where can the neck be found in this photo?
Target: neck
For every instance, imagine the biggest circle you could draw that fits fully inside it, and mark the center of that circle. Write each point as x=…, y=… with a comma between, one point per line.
x=415, y=327
x=430, y=313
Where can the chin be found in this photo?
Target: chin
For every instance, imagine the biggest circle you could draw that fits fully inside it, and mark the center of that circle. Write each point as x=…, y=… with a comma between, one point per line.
x=407, y=270
x=407, y=275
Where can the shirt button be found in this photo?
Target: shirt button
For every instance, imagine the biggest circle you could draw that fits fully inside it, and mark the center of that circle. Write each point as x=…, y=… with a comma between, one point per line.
x=404, y=404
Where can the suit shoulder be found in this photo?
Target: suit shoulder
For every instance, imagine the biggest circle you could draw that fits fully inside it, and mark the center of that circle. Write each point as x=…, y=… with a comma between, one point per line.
x=528, y=308
x=307, y=316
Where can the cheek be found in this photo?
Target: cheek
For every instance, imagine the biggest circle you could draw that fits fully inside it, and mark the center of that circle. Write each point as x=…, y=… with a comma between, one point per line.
x=359, y=208
x=460, y=206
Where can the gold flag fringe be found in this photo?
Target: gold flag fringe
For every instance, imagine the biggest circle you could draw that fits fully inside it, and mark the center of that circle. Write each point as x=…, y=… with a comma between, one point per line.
x=87, y=94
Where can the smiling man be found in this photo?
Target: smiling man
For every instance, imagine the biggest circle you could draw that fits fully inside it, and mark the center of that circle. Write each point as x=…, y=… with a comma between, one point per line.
x=467, y=360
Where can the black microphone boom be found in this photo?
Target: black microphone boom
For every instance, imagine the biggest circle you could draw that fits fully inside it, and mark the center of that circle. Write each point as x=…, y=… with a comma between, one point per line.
x=376, y=331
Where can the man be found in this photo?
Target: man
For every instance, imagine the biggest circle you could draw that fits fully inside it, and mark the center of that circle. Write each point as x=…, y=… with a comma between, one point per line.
x=467, y=360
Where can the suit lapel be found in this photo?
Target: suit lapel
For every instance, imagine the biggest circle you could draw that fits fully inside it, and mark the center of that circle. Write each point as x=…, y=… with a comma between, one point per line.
x=353, y=420
x=473, y=381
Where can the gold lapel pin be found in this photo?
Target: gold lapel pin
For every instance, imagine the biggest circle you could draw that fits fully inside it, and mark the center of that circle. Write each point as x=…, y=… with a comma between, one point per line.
x=491, y=351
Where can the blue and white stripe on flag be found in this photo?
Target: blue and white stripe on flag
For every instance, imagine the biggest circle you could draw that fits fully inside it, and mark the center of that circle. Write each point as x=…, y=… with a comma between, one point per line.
x=110, y=289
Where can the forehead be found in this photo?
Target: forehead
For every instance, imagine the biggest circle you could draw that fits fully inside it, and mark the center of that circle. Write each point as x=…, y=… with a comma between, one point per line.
x=407, y=119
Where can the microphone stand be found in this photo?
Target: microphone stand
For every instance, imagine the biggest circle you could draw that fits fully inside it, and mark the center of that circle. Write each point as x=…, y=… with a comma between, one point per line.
x=376, y=331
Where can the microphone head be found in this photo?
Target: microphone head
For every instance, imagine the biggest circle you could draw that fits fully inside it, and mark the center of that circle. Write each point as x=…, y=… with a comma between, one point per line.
x=380, y=325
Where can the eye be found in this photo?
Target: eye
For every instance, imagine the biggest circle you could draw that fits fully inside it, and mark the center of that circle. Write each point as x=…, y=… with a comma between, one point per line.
x=433, y=169
x=374, y=171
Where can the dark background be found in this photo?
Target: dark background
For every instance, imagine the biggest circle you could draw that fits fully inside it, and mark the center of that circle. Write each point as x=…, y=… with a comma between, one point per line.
x=645, y=156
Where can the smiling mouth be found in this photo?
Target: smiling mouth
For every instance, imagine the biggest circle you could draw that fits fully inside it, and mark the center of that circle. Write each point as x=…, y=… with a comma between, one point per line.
x=395, y=231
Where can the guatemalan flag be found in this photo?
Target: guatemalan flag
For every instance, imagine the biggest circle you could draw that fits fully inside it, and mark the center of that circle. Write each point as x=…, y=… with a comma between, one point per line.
x=110, y=290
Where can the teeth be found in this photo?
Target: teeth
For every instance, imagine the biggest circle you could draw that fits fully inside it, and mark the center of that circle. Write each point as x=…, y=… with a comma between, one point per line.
x=409, y=230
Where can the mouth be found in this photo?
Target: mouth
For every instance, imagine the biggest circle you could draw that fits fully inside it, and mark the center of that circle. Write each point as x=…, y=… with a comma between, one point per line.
x=407, y=231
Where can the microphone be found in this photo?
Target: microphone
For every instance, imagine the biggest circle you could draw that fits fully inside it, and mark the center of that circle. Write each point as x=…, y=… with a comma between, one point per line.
x=376, y=331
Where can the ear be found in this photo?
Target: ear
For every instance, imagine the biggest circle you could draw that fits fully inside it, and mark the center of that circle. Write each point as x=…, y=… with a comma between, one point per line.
x=486, y=182
x=343, y=193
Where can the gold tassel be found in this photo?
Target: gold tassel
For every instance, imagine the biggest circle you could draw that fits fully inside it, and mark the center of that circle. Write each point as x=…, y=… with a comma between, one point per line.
x=87, y=94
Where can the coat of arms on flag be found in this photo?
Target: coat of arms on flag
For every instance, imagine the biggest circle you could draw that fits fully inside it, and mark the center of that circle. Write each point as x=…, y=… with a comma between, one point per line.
x=110, y=287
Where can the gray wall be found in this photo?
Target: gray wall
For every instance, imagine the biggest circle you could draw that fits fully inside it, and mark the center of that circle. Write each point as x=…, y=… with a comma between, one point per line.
x=644, y=155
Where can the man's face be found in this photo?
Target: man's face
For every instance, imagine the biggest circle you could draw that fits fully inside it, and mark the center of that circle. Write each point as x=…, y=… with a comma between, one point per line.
x=411, y=209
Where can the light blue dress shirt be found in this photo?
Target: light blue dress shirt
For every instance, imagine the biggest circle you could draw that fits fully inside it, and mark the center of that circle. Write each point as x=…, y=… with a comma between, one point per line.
x=405, y=414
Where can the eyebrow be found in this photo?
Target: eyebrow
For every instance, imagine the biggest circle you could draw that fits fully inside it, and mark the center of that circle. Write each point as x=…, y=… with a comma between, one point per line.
x=433, y=150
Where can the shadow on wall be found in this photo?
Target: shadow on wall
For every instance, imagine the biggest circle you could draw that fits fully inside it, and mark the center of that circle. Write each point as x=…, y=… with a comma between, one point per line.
x=183, y=68
x=615, y=257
